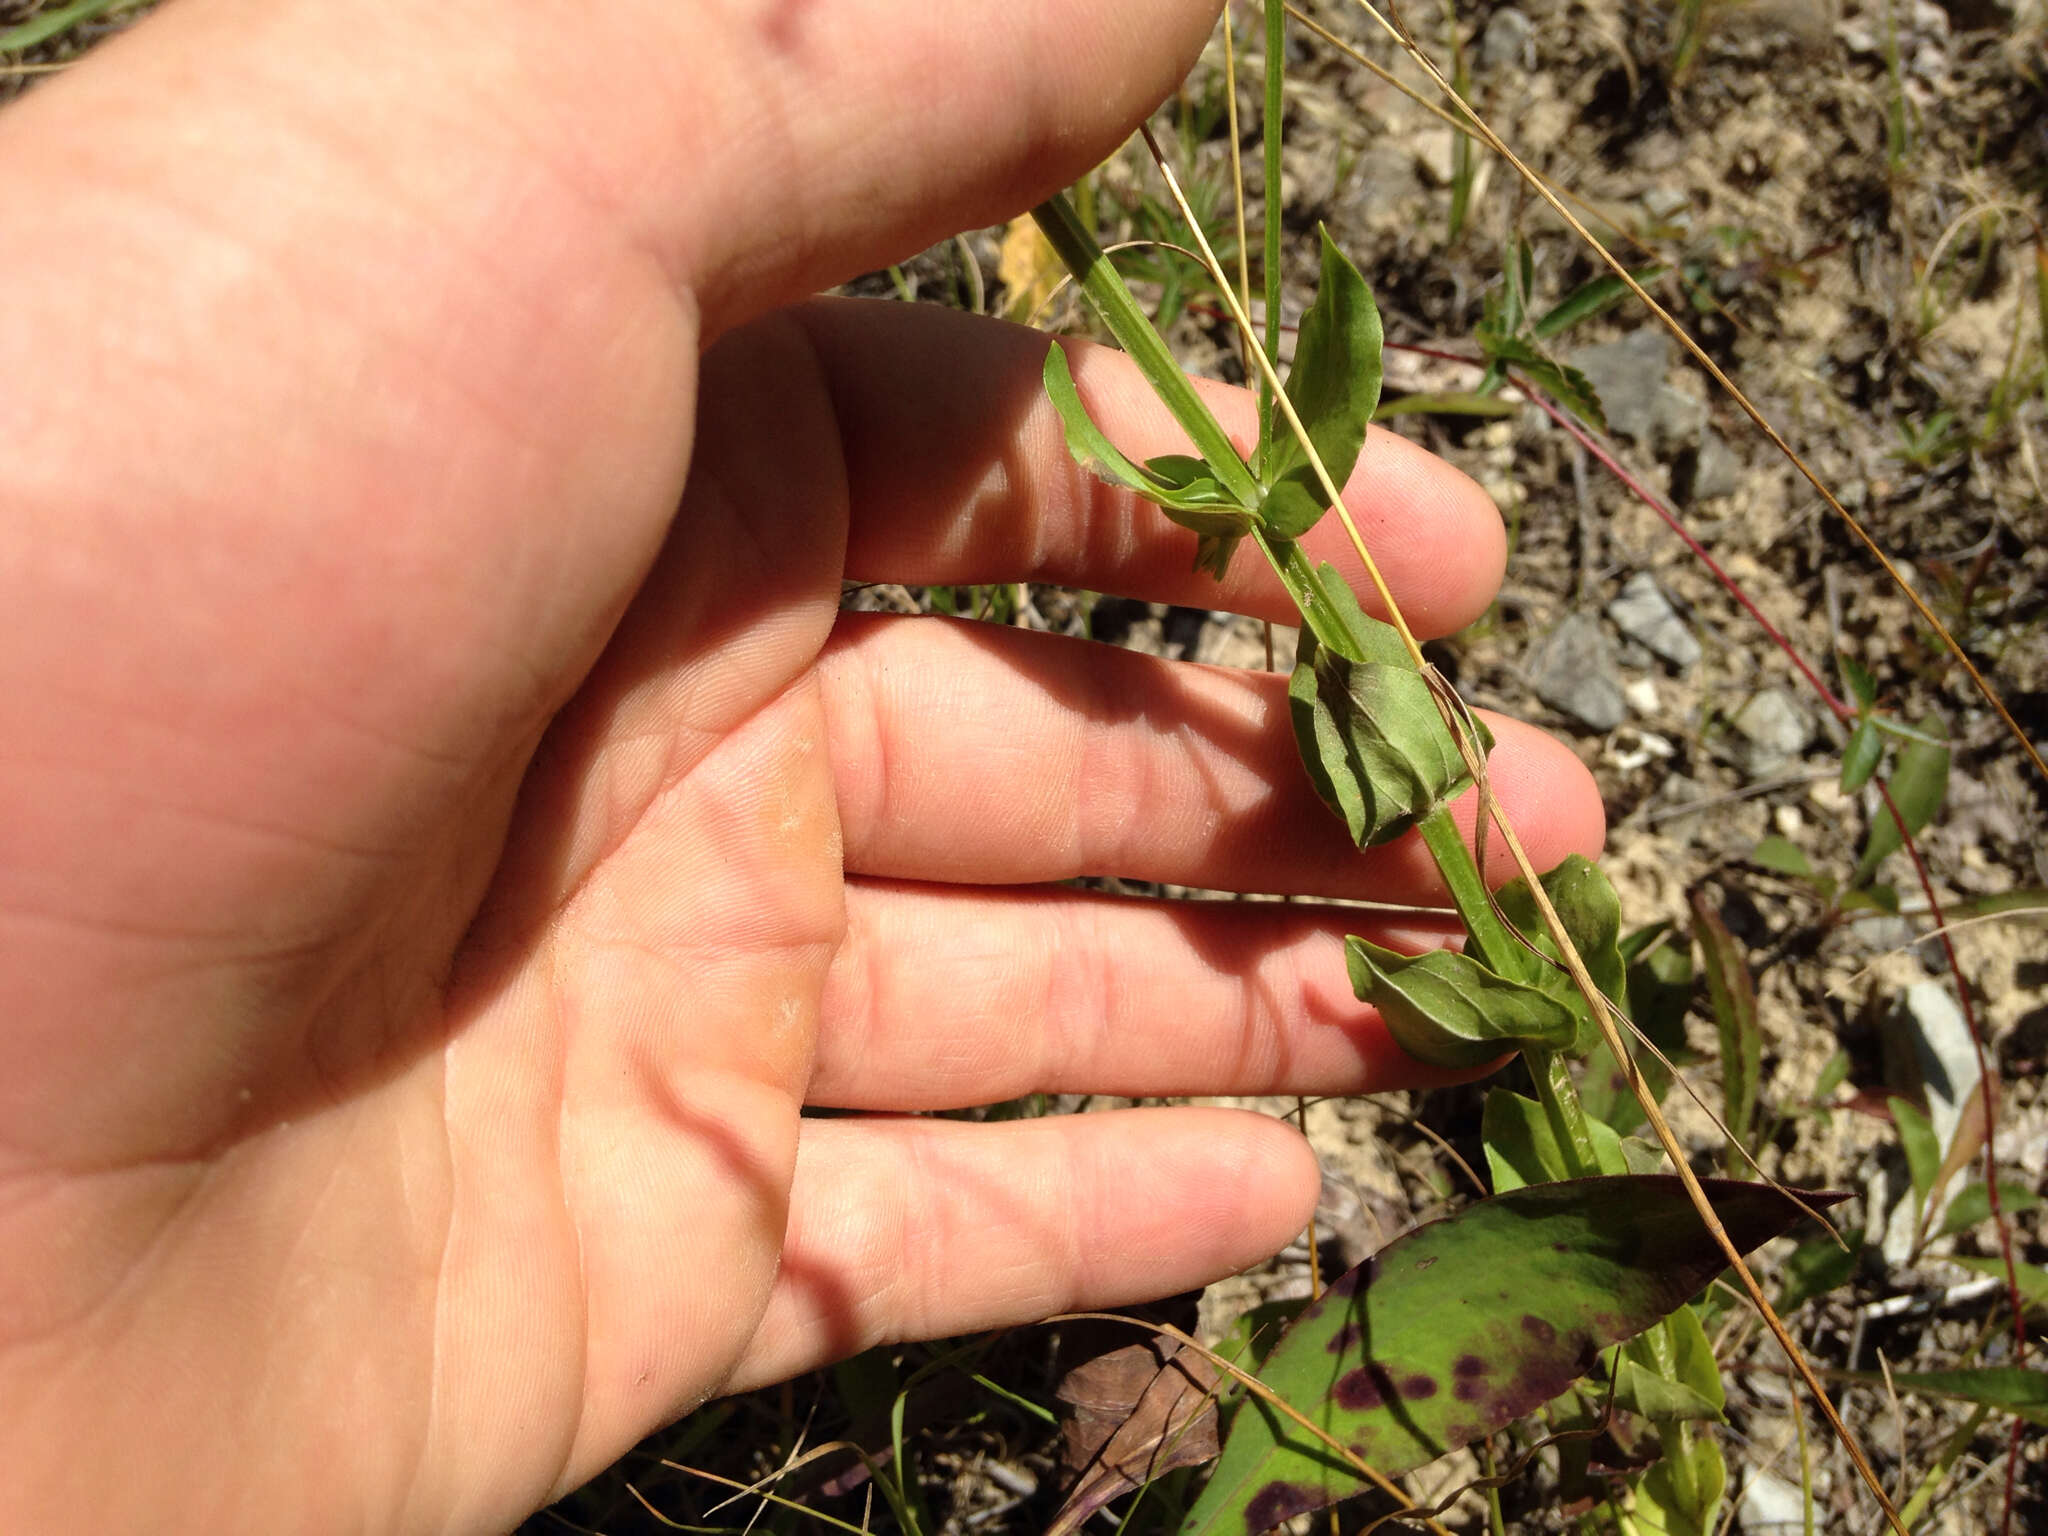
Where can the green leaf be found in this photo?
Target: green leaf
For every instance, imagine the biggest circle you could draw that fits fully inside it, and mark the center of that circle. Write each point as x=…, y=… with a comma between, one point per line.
x=54, y=23
x=1334, y=386
x=1521, y=1144
x=1972, y=1204
x=1181, y=486
x=1456, y=402
x=1562, y=382
x=1588, y=300
x=2033, y=1279
x=1591, y=914
x=1919, y=781
x=1860, y=757
x=1463, y=1326
x=1374, y=742
x=1872, y=898
x=2013, y=1389
x=1660, y=996
x=1449, y=1010
x=1857, y=679
x=1732, y=993
x=1678, y=1358
x=1783, y=857
x=1833, y=1073
x=1675, y=1500
x=1638, y=1389
x=1816, y=1267
x=1921, y=1146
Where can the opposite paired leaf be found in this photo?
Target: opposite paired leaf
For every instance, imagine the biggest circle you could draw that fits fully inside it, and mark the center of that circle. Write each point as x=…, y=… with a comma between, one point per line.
x=1521, y=1144
x=1449, y=1010
x=1590, y=911
x=1335, y=387
x=1669, y=1371
x=1369, y=729
x=1181, y=486
x=1668, y=1504
x=1463, y=1326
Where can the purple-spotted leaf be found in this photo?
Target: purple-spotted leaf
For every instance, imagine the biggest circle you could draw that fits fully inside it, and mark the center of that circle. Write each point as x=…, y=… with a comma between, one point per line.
x=1464, y=1325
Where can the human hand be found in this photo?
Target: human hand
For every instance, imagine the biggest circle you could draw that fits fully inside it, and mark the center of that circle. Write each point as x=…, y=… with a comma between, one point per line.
x=437, y=870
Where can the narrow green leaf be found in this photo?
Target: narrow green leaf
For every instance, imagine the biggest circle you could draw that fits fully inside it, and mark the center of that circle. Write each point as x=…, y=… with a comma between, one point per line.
x=1732, y=993
x=1921, y=1146
x=1972, y=1204
x=1370, y=733
x=1181, y=486
x=1833, y=1073
x=55, y=23
x=1782, y=856
x=1857, y=679
x=1919, y=781
x=1521, y=1146
x=1562, y=382
x=1334, y=386
x=1588, y=300
x=1448, y=1009
x=1860, y=757
x=1681, y=1495
x=1463, y=1326
x=1447, y=403
x=1591, y=914
x=2033, y=1279
x=2013, y=1389
x=1659, y=995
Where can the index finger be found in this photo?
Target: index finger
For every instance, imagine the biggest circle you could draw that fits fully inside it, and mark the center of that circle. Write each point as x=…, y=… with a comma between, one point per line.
x=959, y=473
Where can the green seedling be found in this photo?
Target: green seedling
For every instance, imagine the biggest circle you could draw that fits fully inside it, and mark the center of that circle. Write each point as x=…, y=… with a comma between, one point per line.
x=1509, y=339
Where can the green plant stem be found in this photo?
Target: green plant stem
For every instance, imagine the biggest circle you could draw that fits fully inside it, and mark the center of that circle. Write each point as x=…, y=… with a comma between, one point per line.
x=1685, y=1484
x=1559, y=1097
x=1136, y=335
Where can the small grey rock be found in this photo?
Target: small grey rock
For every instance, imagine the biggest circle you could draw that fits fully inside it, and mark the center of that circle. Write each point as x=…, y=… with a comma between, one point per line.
x=1572, y=669
x=1719, y=472
x=1770, y=729
x=1715, y=470
x=1629, y=375
x=1644, y=614
x=1505, y=42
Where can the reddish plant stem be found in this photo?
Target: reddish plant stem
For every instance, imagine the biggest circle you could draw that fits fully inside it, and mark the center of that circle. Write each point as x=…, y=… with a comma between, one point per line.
x=1984, y=1087
x=1656, y=504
